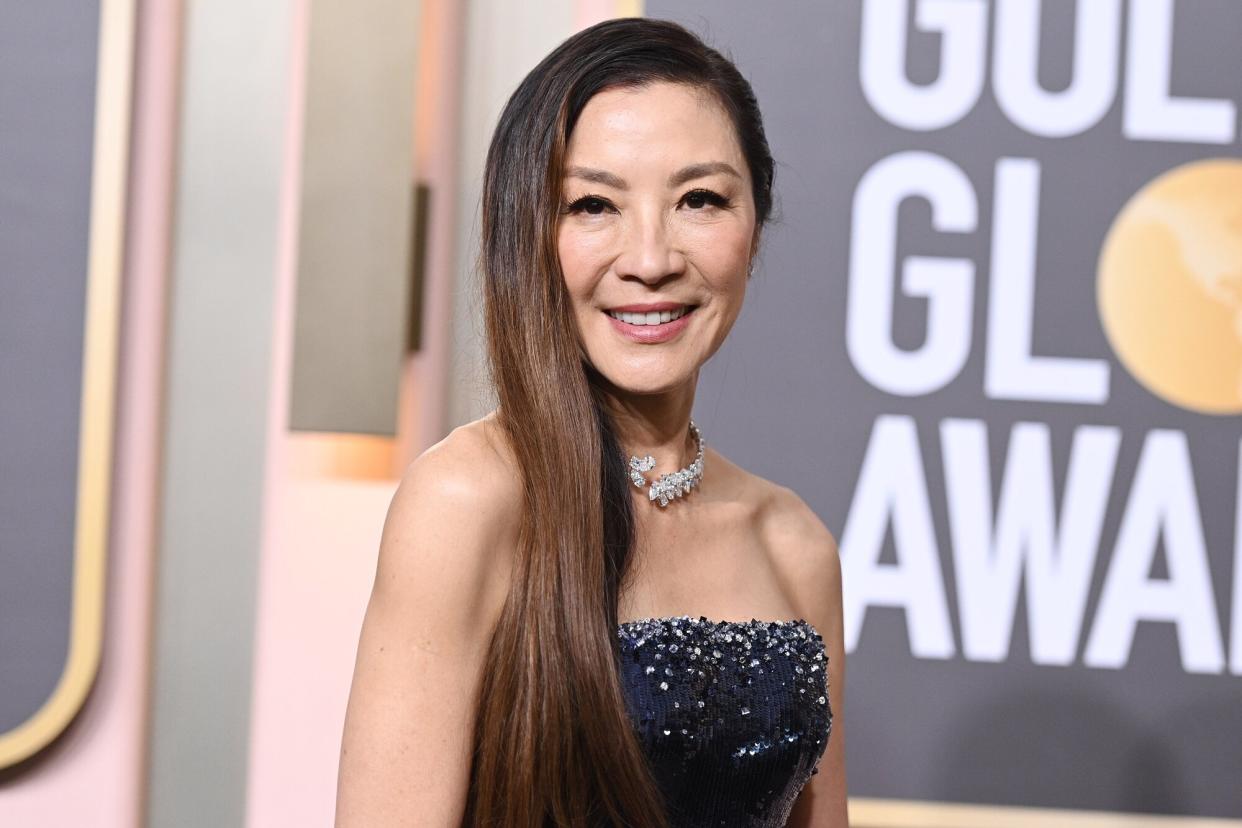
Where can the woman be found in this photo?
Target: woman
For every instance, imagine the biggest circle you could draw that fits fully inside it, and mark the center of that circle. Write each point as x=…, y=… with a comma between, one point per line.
x=557, y=633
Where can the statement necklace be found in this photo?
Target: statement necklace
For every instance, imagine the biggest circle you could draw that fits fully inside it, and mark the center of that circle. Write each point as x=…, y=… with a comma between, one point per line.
x=673, y=484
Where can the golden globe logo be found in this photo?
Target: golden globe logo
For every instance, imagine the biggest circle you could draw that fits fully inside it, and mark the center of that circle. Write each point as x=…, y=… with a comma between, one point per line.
x=1170, y=286
x=1170, y=298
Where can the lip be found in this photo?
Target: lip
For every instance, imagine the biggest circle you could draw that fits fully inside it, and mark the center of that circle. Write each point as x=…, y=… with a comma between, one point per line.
x=651, y=334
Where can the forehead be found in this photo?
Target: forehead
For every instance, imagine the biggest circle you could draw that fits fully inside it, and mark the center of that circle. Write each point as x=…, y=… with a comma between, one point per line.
x=659, y=124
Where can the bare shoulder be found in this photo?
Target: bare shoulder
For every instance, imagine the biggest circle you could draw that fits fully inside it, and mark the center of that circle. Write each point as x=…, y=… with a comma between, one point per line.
x=801, y=547
x=472, y=463
x=440, y=584
x=455, y=510
x=792, y=527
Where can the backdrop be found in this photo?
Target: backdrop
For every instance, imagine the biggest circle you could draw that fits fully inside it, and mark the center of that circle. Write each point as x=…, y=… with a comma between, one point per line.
x=996, y=343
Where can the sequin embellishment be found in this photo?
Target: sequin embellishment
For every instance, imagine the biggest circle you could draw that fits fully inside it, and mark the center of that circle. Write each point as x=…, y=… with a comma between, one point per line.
x=733, y=715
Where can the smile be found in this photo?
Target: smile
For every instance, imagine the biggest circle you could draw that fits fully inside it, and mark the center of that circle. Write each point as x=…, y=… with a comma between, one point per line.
x=661, y=323
x=660, y=317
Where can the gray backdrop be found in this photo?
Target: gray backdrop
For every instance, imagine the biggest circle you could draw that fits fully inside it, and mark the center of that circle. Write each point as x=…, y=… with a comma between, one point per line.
x=1152, y=726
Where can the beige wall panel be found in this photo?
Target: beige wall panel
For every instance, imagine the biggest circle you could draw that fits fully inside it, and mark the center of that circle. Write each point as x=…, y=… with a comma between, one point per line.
x=355, y=226
x=504, y=41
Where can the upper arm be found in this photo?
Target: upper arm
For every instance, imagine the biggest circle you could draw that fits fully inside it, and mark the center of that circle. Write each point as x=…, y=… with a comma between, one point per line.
x=811, y=567
x=439, y=584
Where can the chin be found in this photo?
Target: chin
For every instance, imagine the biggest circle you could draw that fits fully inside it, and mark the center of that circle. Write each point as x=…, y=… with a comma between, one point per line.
x=645, y=382
x=649, y=388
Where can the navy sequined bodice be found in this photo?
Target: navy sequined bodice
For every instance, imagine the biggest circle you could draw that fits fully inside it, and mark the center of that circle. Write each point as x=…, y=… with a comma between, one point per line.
x=733, y=715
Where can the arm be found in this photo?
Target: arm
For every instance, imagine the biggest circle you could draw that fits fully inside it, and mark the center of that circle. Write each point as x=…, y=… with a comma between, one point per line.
x=812, y=569
x=440, y=582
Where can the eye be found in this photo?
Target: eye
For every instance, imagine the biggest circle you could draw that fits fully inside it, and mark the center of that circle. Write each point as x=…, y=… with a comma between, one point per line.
x=589, y=204
x=698, y=199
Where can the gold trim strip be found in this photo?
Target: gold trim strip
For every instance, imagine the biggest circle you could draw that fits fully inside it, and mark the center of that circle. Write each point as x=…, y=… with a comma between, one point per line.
x=109, y=170
x=890, y=813
x=629, y=8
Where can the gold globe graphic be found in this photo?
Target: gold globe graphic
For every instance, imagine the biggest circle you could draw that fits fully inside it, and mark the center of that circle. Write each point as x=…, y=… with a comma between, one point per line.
x=1169, y=286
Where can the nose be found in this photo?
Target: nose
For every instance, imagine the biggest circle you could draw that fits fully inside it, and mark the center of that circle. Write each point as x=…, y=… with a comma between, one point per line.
x=649, y=251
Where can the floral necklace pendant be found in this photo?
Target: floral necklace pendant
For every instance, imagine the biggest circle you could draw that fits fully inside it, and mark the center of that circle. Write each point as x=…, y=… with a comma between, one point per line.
x=673, y=484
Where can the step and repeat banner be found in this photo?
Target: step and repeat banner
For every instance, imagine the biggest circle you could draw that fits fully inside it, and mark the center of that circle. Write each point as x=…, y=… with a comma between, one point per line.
x=996, y=342
x=64, y=126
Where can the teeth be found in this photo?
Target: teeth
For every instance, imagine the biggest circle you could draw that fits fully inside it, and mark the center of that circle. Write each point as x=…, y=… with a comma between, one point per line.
x=649, y=318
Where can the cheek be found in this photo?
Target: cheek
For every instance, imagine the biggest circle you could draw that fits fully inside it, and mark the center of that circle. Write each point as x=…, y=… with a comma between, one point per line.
x=576, y=264
x=734, y=292
x=724, y=261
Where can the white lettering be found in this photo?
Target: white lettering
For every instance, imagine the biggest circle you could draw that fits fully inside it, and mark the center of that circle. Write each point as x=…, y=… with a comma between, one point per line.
x=1012, y=372
x=1016, y=49
x=892, y=486
x=1151, y=113
x=962, y=25
x=1058, y=562
x=948, y=284
x=1162, y=502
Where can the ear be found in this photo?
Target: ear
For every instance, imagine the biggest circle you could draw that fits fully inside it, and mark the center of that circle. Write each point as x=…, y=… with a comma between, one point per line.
x=754, y=250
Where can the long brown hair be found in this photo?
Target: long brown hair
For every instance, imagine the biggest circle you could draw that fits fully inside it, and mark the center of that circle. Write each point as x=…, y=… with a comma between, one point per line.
x=553, y=744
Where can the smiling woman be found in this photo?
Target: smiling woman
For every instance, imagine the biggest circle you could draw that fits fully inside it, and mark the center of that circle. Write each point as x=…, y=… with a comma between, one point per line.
x=625, y=191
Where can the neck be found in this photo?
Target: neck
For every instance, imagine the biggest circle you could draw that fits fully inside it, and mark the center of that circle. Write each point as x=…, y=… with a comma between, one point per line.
x=655, y=424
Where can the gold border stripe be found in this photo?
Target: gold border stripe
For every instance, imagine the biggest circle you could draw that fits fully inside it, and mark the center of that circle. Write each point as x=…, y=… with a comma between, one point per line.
x=888, y=813
x=114, y=69
x=629, y=8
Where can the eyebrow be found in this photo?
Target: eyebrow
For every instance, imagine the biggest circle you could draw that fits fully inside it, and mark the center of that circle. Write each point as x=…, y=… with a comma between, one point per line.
x=701, y=171
x=688, y=173
x=597, y=176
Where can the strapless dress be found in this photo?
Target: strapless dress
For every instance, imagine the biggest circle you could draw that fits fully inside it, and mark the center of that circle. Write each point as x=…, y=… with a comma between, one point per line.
x=733, y=716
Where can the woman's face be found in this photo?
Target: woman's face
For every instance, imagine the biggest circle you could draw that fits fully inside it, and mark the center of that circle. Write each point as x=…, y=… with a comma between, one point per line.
x=655, y=232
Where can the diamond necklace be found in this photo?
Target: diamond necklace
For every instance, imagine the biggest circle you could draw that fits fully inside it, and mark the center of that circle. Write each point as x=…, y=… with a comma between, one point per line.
x=672, y=484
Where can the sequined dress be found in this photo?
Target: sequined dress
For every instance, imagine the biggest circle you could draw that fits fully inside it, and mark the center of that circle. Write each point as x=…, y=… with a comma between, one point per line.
x=733, y=715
